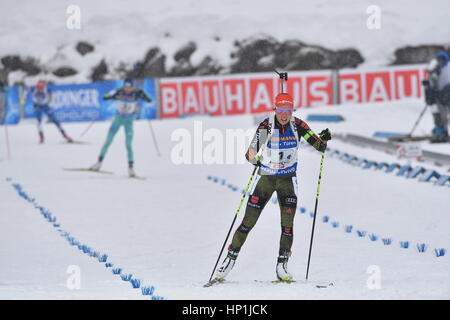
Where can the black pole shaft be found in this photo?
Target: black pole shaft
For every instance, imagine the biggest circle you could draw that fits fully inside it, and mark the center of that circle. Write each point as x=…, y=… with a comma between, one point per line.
x=234, y=220
x=88, y=127
x=223, y=247
x=315, y=213
x=418, y=120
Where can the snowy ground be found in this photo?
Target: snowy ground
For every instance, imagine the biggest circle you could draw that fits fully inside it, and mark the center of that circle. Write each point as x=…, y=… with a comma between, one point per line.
x=168, y=229
x=143, y=24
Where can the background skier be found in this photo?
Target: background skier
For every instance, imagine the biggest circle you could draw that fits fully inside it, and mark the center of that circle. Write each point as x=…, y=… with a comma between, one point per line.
x=127, y=108
x=437, y=94
x=280, y=135
x=41, y=96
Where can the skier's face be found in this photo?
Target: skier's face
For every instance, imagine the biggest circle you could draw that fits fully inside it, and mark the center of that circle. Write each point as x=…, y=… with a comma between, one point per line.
x=284, y=114
x=40, y=86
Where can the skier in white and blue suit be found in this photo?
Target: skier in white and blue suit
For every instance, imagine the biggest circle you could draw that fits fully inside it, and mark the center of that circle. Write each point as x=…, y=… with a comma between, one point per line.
x=437, y=94
x=41, y=96
x=127, y=98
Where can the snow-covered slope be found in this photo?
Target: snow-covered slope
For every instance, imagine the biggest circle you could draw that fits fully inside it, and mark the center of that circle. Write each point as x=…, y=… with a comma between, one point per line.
x=168, y=229
x=124, y=32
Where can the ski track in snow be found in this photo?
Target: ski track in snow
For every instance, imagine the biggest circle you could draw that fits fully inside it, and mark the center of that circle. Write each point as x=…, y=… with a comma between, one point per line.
x=169, y=228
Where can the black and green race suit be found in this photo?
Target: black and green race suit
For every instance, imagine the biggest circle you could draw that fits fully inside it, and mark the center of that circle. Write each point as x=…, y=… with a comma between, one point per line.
x=265, y=185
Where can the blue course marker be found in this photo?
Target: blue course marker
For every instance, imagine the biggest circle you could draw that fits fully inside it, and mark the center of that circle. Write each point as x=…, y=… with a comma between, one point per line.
x=325, y=117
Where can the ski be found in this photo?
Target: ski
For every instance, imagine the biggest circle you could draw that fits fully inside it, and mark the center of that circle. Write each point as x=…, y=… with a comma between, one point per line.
x=283, y=281
x=294, y=281
x=137, y=177
x=88, y=170
x=75, y=142
x=276, y=281
x=409, y=138
x=317, y=285
x=432, y=139
x=213, y=282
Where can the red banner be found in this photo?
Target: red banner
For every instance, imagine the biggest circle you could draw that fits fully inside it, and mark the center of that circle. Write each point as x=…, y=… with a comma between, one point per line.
x=389, y=84
x=240, y=94
x=255, y=93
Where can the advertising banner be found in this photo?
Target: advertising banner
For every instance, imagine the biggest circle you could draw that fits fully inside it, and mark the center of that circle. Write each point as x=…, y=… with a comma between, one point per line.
x=381, y=85
x=240, y=94
x=84, y=102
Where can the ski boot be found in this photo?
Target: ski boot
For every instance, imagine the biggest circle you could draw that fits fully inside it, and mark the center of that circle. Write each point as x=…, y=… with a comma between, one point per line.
x=131, y=172
x=41, y=137
x=439, y=135
x=96, y=166
x=282, y=272
x=227, y=265
x=68, y=139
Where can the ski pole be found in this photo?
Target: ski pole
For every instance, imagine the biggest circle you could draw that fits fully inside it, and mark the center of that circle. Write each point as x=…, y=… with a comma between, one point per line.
x=284, y=78
x=234, y=220
x=418, y=120
x=315, y=212
x=88, y=127
x=154, y=138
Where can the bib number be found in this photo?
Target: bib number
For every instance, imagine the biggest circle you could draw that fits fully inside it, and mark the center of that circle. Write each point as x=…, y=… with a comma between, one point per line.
x=126, y=107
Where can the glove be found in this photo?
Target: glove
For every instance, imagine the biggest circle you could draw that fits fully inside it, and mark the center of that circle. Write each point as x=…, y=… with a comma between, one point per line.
x=322, y=147
x=258, y=161
x=325, y=135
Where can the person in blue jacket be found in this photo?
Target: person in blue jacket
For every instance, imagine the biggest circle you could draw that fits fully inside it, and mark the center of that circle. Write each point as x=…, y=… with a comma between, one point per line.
x=437, y=95
x=41, y=96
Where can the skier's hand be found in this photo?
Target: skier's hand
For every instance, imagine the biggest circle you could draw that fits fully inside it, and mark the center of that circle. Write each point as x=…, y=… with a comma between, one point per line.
x=325, y=135
x=253, y=158
x=251, y=154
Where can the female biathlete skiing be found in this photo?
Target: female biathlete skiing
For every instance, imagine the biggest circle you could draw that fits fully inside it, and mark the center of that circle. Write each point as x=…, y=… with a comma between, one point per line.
x=127, y=99
x=279, y=136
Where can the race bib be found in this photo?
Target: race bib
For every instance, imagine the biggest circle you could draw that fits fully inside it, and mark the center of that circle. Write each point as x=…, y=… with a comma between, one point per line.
x=126, y=107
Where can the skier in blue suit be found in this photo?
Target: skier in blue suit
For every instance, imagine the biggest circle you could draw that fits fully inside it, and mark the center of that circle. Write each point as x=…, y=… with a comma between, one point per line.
x=41, y=96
